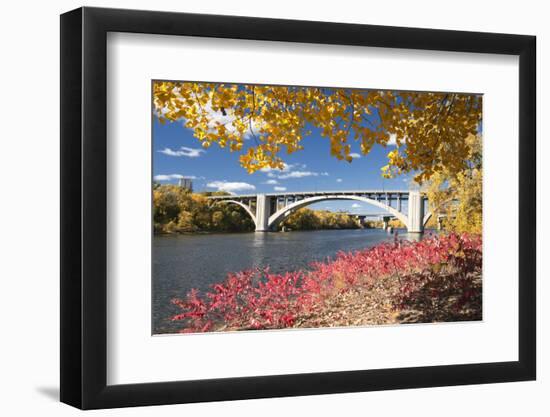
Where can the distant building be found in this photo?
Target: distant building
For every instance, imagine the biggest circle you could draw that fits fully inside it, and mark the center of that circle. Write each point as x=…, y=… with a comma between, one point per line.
x=186, y=183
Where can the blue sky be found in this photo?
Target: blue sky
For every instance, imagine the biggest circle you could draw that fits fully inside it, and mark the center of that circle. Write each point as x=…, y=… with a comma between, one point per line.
x=177, y=153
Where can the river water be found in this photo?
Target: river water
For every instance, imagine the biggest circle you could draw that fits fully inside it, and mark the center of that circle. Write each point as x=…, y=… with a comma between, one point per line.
x=183, y=262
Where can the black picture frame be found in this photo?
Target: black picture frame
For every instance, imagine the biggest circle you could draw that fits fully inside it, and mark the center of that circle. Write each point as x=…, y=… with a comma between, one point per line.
x=84, y=207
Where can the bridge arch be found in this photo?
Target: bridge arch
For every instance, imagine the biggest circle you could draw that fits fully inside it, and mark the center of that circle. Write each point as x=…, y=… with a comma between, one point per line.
x=244, y=206
x=432, y=214
x=426, y=218
x=280, y=215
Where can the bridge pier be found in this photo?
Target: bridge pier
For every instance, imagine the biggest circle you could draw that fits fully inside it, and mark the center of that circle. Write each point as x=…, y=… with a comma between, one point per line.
x=267, y=213
x=439, y=222
x=386, y=220
x=416, y=212
x=263, y=208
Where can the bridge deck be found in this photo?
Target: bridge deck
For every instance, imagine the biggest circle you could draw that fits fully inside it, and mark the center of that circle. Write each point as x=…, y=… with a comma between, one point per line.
x=267, y=213
x=401, y=193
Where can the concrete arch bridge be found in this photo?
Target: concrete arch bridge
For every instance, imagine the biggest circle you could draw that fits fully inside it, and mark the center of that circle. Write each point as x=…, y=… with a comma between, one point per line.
x=269, y=210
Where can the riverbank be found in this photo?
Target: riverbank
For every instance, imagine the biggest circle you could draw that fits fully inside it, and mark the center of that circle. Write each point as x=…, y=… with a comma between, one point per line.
x=436, y=279
x=285, y=230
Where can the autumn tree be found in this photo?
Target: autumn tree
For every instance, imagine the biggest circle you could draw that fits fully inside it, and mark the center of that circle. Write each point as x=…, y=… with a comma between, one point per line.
x=459, y=195
x=396, y=224
x=177, y=210
x=429, y=129
x=308, y=219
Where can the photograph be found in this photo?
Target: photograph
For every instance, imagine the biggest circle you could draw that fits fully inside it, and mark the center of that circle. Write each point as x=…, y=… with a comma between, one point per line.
x=268, y=209
x=301, y=207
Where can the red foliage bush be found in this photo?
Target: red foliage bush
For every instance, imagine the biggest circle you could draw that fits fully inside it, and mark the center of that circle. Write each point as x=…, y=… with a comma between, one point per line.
x=257, y=299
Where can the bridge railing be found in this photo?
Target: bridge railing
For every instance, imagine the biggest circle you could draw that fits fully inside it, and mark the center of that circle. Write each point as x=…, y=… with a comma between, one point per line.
x=394, y=194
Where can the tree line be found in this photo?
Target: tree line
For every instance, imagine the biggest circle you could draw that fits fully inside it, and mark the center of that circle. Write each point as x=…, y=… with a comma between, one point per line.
x=308, y=219
x=177, y=210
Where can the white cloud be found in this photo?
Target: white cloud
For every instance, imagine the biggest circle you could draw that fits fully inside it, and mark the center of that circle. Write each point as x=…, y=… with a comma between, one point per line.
x=271, y=182
x=183, y=151
x=167, y=177
x=269, y=169
x=170, y=177
x=279, y=188
x=392, y=140
x=231, y=187
x=355, y=205
x=298, y=174
x=286, y=167
x=338, y=179
x=355, y=155
x=301, y=174
x=290, y=171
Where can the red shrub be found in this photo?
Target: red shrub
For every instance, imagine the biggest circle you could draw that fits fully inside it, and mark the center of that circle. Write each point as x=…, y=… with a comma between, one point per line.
x=261, y=300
